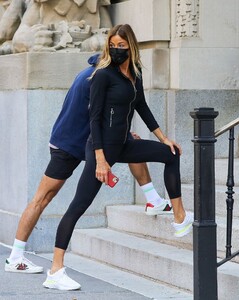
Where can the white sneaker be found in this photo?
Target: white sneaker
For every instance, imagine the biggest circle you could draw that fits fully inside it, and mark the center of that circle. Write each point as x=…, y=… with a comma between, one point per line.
x=22, y=265
x=163, y=208
x=185, y=227
x=60, y=281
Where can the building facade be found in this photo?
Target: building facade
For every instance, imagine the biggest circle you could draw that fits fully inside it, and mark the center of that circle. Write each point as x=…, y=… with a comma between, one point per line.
x=190, y=53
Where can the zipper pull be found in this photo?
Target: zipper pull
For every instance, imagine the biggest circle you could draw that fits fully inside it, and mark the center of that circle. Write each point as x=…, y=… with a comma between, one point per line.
x=111, y=116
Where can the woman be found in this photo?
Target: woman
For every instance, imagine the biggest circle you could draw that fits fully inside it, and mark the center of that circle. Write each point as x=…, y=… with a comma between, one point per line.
x=116, y=91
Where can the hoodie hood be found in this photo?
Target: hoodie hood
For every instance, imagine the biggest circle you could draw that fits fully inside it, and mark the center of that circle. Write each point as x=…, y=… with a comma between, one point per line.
x=93, y=60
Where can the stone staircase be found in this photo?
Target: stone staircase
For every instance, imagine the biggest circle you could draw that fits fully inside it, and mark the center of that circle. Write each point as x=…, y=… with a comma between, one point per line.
x=145, y=245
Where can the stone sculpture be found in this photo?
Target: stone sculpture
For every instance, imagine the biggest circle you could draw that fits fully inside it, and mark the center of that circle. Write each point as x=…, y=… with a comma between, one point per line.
x=51, y=25
x=3, y=6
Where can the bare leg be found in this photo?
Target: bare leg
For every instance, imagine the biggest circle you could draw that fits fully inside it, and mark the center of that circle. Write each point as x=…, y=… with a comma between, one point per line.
x=140, y=172
x=57, y=277
x=155, y=204
x=178, y=210
x=58, y=260
x=46, y=191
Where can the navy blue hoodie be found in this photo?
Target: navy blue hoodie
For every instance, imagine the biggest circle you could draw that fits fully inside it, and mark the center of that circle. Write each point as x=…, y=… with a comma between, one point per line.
x=72, y=127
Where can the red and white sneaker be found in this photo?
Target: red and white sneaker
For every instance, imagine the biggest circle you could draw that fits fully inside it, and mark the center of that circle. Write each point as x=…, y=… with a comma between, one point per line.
x=163, y=208
x=23, y=265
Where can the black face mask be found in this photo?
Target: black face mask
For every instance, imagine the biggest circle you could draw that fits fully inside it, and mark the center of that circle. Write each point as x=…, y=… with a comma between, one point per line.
x=118, y=55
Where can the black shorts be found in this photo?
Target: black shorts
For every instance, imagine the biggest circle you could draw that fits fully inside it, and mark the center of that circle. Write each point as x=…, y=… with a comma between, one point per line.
x=61, y=165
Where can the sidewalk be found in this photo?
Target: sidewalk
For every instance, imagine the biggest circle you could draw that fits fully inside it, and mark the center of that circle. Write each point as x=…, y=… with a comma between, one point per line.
x=126, y=286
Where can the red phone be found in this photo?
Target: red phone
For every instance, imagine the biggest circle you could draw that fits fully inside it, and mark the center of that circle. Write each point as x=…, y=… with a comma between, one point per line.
x=112, y=179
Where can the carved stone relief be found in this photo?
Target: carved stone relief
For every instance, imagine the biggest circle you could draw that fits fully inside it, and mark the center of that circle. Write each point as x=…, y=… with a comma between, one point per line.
x=187, y=18
x=3, y=6
x=54, y=25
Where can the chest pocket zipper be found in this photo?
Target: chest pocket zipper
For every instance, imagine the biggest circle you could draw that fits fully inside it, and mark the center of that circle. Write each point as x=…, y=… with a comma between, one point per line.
x=111, y=116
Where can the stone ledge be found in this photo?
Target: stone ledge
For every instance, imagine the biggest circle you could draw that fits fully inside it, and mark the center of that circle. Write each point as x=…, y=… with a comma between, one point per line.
x=51, y=71
x=39, y=70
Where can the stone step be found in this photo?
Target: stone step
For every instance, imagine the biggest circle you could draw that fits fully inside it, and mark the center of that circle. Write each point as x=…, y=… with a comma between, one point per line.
x=221, y=167
x=123, y=279
x=220, y=199
x=132, y=219
x=150, y=259
x=136, y=254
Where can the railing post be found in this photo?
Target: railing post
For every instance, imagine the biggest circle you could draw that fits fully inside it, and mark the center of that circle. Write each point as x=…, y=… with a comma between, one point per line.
x=204, y=226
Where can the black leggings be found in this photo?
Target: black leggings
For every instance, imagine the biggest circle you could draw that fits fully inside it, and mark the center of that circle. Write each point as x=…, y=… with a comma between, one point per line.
x=134, y=151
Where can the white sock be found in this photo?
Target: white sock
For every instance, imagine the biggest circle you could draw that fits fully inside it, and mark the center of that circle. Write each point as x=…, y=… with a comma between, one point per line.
x=18, y=249
x=151, y=194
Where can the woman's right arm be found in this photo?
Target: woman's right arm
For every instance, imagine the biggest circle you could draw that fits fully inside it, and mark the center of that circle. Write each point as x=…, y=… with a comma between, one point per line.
x=98, y=89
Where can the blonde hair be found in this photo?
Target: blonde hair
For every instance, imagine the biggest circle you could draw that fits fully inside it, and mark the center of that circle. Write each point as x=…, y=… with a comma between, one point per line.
x=125, y=32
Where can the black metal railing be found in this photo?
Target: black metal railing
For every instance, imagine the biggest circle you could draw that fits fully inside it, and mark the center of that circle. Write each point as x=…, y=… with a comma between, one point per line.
x=230, y=184
x=204, y=226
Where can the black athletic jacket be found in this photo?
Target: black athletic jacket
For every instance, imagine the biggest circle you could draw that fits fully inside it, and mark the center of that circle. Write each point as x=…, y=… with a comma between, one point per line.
x=113, y=99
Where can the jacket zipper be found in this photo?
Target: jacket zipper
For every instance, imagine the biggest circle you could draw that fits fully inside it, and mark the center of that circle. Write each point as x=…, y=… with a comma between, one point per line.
x=130, y=104
x=111, y=116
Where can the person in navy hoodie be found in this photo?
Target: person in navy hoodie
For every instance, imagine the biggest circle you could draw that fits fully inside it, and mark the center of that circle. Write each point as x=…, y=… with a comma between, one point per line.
x=67, y=147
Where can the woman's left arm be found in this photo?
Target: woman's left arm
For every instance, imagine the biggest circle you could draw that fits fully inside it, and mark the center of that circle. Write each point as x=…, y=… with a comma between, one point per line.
x=143, y=109
x=145, y=113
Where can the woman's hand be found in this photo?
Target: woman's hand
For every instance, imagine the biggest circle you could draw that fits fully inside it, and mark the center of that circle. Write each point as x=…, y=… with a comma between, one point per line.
x=102, y=166
x=163, y=139
x=172, y=145
x=135, y=136
x=102, y=170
